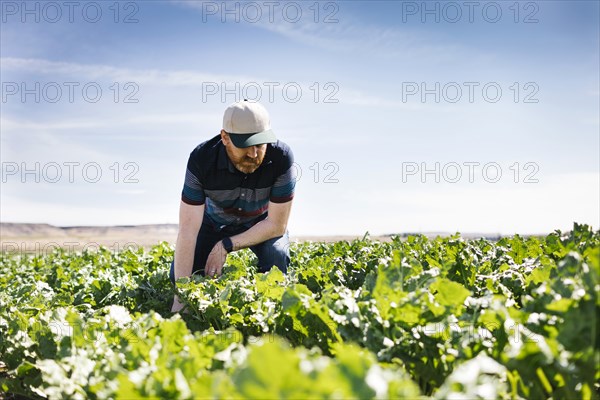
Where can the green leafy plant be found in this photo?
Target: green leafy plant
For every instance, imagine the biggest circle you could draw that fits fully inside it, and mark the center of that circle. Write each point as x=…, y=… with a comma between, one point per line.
x=409, y=318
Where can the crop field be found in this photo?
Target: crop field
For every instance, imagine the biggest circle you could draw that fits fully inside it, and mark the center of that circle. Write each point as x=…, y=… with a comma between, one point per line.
x=416, y=318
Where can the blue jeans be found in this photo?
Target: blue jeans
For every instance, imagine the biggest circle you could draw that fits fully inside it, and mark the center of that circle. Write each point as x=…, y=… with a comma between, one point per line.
x=274, y=251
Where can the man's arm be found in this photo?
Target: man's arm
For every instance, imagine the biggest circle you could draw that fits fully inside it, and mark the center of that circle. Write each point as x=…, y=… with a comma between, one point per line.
x=190, y=220
x=273, y=226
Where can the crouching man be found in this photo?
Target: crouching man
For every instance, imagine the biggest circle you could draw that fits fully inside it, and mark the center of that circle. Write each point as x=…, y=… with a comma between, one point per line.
x=237, y=193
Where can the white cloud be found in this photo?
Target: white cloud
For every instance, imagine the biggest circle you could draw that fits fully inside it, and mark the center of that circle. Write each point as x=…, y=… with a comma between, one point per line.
x=15, y=126
x=98, y=71
x=131, y=212
x=342, y=32
x=160, y=80
x=556, y=202
x=10, y=125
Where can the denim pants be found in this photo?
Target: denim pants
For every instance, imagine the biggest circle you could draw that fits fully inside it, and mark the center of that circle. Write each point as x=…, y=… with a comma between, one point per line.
x=274, y=251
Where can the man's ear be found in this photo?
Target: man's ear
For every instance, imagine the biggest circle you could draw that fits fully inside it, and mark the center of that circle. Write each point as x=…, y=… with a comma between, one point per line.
x=225, y=137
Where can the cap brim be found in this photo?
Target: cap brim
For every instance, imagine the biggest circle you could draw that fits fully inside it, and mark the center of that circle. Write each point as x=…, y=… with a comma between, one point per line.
x=252, y=139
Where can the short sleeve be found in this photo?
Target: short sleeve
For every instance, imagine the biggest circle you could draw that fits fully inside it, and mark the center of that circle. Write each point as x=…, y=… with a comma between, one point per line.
x=285, y=183
x=193, y=191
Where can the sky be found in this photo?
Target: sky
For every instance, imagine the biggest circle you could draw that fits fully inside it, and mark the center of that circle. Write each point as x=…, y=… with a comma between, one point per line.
x=402, y=116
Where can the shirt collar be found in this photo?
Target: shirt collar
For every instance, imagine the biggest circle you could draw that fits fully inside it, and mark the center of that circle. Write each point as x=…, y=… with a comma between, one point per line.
x=223, y=161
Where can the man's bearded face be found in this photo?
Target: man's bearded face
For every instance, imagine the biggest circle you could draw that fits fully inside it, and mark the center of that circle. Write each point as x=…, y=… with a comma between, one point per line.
x=246, y=160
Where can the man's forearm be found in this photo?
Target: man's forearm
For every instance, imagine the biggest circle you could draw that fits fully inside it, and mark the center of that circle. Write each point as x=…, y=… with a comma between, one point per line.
x=262, y=231
x=190, y=220
x=184, y=255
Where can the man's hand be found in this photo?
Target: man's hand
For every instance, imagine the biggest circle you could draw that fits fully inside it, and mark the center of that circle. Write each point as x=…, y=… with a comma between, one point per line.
x=177, y=305
x=215, y=260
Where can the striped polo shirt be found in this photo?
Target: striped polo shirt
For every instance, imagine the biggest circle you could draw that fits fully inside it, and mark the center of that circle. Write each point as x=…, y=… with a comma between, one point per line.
x=231, y=197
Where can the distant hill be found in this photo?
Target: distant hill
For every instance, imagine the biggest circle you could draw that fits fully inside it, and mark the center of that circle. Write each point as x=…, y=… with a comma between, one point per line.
x=31, y=237
x=25, y=237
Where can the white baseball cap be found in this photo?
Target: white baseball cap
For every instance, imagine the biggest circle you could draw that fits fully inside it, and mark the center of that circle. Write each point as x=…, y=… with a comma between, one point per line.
x=248, y=124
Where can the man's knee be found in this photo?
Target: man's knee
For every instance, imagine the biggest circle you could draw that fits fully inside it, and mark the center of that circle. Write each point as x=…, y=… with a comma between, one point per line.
x=275, y=253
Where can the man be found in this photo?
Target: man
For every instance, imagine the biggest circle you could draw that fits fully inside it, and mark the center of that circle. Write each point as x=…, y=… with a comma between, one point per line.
x=237, y=193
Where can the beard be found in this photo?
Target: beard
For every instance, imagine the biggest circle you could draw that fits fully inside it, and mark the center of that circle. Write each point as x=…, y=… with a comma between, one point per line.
x=246, y=164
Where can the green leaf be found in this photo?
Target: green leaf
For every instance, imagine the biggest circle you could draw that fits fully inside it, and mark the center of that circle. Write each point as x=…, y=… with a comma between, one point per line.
x=449, y=293
x=269, y=284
